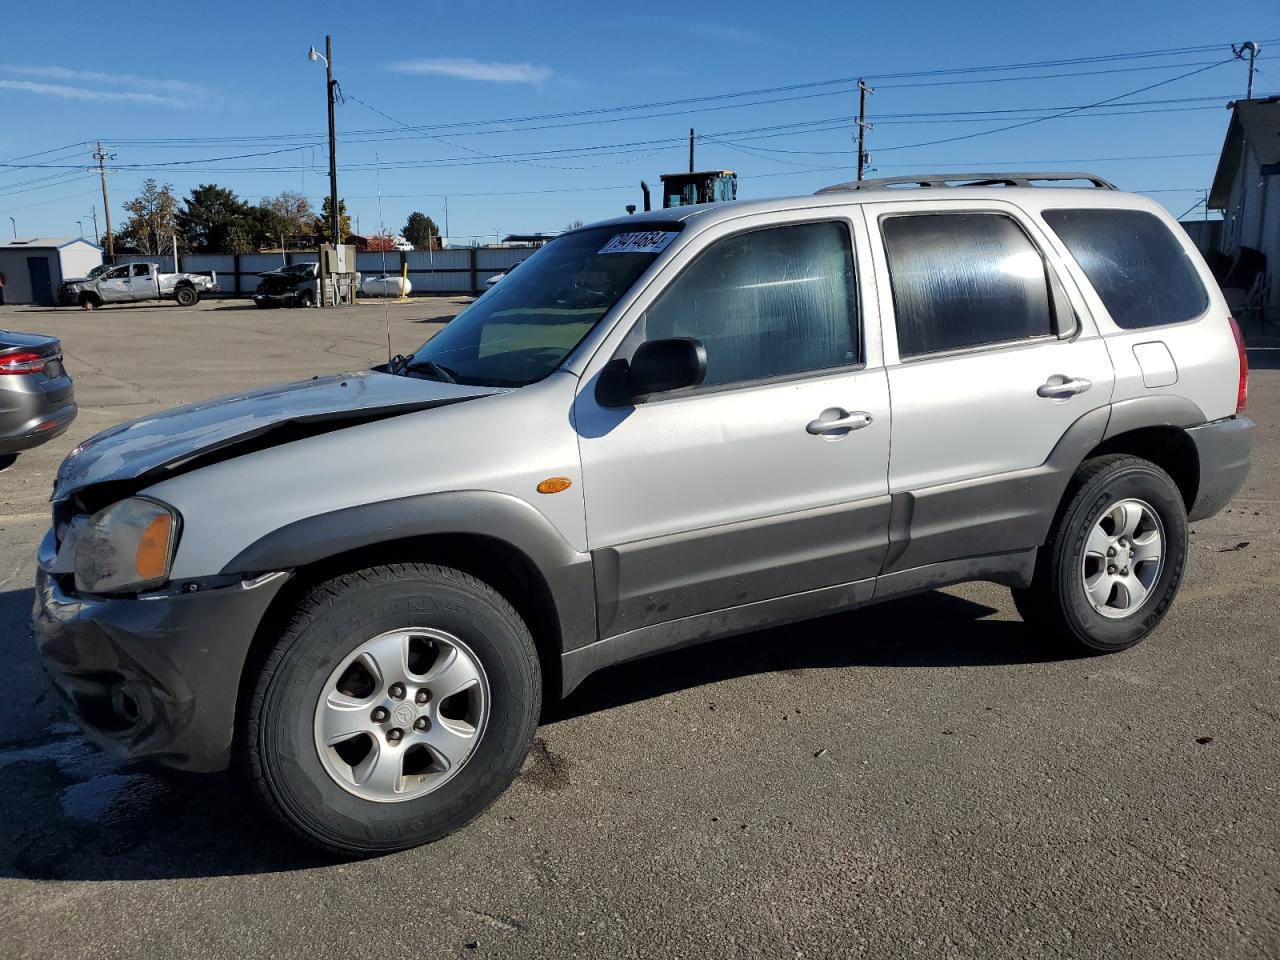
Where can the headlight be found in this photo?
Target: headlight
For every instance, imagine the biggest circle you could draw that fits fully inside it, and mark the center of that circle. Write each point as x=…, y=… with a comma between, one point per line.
x=126, y=547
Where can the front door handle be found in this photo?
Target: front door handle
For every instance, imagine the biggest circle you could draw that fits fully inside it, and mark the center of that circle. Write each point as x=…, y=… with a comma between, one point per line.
x=836, y=422
x=1060, y=387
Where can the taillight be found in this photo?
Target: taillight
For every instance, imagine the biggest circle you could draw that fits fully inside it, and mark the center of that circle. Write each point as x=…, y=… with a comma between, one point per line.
x=1242, y=394
x=17, y=363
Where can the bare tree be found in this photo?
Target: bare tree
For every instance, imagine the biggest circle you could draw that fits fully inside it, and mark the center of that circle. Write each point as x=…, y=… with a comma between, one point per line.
x=153, y=217
x=287, y=217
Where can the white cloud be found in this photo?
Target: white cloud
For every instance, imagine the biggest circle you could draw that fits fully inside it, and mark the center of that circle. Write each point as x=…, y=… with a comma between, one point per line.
x=85, y=93
x=467, y=69
x=96, y=76
x=99, y=85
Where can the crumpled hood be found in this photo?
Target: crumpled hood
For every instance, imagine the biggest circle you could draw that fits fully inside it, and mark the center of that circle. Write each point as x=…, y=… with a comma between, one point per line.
x=154, y=445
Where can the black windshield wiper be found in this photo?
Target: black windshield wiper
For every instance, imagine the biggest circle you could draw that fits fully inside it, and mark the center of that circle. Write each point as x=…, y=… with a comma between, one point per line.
x=436, y=371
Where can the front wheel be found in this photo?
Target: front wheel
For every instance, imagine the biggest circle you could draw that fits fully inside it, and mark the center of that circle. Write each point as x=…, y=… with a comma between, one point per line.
x=400, y=703
x=1114, y=559
x=306, y=299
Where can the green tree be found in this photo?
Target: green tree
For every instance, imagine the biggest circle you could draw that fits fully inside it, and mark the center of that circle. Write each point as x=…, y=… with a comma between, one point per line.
x=286, y=218
x=153, y=217
x=215, y=220
x=422, y=232
x=321, y=227
x=574, y=225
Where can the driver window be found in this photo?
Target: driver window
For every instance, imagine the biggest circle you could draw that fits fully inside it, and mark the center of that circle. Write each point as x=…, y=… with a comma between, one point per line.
x=117, y=274
x=767, y=303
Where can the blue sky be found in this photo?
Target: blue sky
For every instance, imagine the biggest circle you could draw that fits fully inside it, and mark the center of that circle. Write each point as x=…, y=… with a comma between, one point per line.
x=223, y=81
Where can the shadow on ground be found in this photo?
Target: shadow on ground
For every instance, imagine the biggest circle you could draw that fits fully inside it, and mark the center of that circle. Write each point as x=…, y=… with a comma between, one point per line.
x=928, y=630
x=73, y=813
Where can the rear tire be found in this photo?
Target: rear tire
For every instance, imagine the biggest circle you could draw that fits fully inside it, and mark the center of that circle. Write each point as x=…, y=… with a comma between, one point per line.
x=332, y=668
x=186, y=296
x=1114, y=558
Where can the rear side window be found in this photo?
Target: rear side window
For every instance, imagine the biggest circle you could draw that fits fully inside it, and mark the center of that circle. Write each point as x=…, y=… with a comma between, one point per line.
x=767, y=303
x=1141, y=273
x=964, y=280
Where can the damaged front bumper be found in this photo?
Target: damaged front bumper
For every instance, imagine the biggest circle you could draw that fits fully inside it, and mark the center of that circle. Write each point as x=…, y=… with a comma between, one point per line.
x=156, y=676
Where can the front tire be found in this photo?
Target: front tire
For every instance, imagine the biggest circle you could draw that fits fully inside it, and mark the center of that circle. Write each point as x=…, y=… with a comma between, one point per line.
x=399, y=704
x=1114, y=559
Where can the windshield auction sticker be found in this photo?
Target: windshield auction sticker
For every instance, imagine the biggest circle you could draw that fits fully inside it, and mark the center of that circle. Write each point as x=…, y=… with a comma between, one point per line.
x=650, y=241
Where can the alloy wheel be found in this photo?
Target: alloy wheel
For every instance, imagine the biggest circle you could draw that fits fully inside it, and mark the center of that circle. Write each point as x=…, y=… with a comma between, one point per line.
x=1123, y=558
x=402, y=714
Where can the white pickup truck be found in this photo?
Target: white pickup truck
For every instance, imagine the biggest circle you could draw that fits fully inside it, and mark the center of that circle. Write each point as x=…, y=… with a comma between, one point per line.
x=132, y=282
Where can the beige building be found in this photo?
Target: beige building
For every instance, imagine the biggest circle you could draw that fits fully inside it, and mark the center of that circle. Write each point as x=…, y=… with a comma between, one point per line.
x=1246, y=188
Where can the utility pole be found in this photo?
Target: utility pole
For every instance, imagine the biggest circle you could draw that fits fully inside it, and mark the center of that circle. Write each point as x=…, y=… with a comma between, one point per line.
x=334, y=220
x=1250, y=48
x=863, y=126
x=102, y=157
x=691, y=149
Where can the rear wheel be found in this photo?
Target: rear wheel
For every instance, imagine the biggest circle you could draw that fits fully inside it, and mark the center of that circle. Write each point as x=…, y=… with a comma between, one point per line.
x=186, y=296
x=1115, y=558
x=398, y=705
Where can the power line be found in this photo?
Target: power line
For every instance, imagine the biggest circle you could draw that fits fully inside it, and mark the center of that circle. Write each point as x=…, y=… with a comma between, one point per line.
x=1055, y=116
x=837, y=81
x=69, y=196
x=794, y=128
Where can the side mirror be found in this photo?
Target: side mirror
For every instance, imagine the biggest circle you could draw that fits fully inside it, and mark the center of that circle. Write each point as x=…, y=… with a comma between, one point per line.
x=656, y=367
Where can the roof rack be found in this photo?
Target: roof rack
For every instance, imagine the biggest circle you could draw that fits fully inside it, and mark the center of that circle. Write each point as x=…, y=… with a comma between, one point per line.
x=968, y=180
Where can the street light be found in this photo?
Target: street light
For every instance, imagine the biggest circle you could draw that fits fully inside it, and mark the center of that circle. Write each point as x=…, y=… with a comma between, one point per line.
x=80, y=224
x=15, y=228
x=313, y=55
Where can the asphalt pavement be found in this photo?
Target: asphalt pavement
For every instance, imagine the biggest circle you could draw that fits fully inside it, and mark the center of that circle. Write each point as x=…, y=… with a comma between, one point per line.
x=926, y=778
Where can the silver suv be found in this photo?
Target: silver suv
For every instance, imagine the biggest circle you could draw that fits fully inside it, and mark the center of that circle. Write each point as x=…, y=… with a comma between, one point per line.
x=660, y=430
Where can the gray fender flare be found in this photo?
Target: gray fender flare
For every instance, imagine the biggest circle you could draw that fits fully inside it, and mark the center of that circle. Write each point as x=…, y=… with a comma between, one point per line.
x=1158, y=410
x=498, y=516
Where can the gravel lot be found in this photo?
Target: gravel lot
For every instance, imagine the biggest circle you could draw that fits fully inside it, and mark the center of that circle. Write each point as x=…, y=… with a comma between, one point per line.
x=920, y=778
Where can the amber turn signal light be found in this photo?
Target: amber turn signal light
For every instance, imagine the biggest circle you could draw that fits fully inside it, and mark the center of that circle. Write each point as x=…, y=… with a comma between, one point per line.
x=153, y=548
x=554, y=485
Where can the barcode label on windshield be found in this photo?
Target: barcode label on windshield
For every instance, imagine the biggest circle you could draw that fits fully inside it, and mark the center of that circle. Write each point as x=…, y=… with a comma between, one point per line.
x=650, y=241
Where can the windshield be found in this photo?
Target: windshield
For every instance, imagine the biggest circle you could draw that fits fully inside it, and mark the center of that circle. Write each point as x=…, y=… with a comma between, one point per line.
x=524, y=327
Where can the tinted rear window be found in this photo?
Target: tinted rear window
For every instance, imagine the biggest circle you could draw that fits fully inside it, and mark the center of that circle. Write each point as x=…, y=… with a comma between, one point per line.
x=1140, y=272
x=964, y=280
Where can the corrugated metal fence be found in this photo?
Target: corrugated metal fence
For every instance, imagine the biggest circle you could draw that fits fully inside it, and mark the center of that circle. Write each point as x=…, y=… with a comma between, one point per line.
x=456, y=270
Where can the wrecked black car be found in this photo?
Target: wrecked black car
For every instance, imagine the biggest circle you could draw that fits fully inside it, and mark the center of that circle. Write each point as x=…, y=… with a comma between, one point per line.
x=296, y=285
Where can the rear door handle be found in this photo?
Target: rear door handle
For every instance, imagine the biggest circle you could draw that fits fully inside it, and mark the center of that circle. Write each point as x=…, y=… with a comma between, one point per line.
x=1060, y=387
x=837, y=422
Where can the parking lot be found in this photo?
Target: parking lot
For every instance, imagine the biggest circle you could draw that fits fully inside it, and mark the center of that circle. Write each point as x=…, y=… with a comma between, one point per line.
x=924, y=777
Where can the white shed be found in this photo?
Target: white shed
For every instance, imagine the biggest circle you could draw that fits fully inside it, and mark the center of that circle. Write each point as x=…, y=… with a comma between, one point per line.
x=34, y=268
